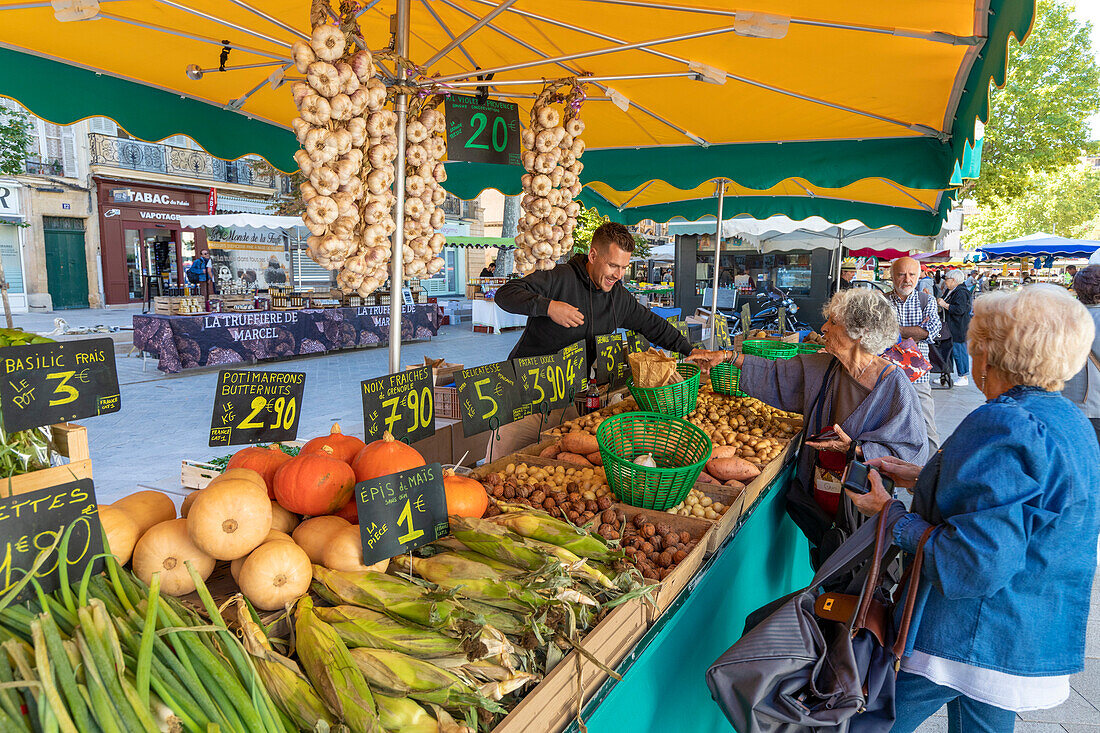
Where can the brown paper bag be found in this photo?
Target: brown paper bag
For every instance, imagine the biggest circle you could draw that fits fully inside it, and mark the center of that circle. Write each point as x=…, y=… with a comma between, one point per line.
x=651, y=369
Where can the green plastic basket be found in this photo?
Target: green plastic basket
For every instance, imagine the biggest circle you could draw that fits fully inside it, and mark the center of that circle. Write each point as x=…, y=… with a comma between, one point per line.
x=724, y=379
x=769, y=349
x=676, y=400
x=679, y=449
x=809, y=348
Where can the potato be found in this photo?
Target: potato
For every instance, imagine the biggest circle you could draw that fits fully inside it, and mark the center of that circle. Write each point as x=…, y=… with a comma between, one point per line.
x=732, y=468
x=550, y=451
x=574, y=458
x=595, y=458
x=579, y=443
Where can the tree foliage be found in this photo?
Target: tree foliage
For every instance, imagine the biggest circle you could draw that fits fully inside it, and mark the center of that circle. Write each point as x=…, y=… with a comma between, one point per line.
x=1039, y=121
x=15, y=140
x=588, y=221
x=1064, y=201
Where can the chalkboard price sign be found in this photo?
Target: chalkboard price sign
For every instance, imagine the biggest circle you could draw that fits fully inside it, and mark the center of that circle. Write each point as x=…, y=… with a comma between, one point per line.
x=482, y=131
x=402, y=404
x=636, y=342
x=543, y=382
x=611, y=365
x=254, y=407
x=746, y=319
x=400, y=512
x=31, y=522
x=722, y=335
x=488, y=397
x=576, y=369
x=43, y=384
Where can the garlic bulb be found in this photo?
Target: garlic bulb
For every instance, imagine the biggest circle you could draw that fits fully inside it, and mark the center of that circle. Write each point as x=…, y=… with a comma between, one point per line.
x=424, y=195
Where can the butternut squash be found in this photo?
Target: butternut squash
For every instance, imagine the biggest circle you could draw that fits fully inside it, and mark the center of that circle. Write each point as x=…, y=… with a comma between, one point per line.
x=121, y=531
x=274, y=574
x=229, y=518
x=147, y=508
x=166, y=548
x=313, y=534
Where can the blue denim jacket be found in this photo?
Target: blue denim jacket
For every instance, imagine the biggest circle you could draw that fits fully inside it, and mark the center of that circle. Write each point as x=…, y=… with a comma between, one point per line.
x=1007, y=575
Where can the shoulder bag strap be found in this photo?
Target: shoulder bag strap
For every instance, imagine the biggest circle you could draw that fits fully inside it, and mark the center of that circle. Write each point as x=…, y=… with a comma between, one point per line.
x=1095, y=361
x=871, y=581
x=819, y=401
x=858, y=547
x=912, y=574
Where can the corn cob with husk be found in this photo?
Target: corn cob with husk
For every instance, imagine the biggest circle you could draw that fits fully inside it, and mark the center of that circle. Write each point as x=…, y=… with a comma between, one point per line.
x=402, y=715
x=493, y=680
x=477, y=581
x=396, y=674
x=543, y=527
x=494, y=541
x=364, y=627
x=447, y=724
x=281, y=676
x=333, y=671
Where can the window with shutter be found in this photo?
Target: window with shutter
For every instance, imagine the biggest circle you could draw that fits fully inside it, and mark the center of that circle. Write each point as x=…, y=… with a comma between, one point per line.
x=103, y=125
x=68, y=152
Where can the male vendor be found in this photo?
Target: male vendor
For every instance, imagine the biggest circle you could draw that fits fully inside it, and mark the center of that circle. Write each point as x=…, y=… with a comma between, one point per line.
x=581, y=299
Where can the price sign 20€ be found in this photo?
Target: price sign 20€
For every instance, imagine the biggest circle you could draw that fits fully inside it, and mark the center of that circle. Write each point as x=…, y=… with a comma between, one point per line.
x=402, y=404
x=253, y=407
x=400, y=512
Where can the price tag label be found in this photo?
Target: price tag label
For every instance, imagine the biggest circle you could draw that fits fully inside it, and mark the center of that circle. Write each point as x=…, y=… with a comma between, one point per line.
x=681, y=326
x=746, y=319
x=612, y=368
x=576, y=369
x=43, y=384
x=543, y=382
x=29, y=524
x=722, y=340
x=400, y=512
x=482, y=132
x=402, y=404
x=255, y=407
x=782, y=320
x=488, y=397
x=636, y=342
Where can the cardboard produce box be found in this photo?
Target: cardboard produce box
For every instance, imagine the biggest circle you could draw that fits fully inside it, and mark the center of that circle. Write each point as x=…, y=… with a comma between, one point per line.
x=443, y=371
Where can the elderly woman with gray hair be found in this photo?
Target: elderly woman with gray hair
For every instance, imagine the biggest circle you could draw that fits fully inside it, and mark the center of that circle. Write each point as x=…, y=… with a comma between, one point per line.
x=857, y=402
x=1009, y=515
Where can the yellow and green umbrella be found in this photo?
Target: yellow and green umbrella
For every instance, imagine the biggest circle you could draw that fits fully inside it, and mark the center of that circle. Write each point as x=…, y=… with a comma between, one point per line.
x=837, y=108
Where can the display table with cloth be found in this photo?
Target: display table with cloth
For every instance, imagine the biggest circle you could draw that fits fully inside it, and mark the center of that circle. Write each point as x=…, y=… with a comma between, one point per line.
x=488, y=313
x=663, y=689
x=217, y=339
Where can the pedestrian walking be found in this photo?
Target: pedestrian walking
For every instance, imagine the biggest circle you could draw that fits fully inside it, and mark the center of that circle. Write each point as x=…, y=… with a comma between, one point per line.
x=1084, y=388
x=918, y=319
x=958, y=302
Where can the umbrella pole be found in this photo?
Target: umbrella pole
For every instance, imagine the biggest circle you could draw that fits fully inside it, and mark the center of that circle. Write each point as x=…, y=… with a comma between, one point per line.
x=397, y=259
x=717, y=265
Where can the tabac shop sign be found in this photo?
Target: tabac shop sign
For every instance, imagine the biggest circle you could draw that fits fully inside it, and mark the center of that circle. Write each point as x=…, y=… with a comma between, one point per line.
x=130, y=196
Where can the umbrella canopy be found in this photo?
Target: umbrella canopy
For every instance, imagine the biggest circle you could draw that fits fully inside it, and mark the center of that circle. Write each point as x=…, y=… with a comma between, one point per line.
x=253, y=221
x=841, y=109
x=1040, y=244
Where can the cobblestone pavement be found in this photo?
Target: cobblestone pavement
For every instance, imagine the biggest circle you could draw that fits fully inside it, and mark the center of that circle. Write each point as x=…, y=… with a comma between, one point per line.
x=166, y=418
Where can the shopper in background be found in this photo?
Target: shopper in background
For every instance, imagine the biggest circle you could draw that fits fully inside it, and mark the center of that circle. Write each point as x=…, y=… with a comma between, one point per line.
x=199, y=273
x=489, y=269
x=927, y=284
x=1070, y=274
x=958, y=303
x=1013, y=512
x=847, y=274
x=1083, y=389
x=578, y=301
x=918, y=319
x=868, y=402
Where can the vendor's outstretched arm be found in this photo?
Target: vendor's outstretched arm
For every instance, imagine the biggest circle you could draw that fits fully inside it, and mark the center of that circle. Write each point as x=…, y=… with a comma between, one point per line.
x=528, y=296
x=657, y=330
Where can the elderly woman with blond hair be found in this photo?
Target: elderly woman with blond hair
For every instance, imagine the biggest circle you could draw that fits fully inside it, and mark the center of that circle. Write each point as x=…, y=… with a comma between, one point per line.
x=1011, y=514
x=860, y=404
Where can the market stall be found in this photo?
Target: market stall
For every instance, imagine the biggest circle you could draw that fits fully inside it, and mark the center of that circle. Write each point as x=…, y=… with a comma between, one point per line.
x=217, y=339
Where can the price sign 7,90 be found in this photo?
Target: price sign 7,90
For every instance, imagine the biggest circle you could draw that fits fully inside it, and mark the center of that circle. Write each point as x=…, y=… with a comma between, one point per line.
x=254, y=407
x=401, y=404
x=488, y=397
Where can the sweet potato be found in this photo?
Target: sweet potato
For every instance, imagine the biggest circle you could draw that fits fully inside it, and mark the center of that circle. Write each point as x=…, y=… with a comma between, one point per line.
x=725, y=469
x=723, y=451
x=573, y=458
x=706, y=478
x=595, y=458
x=550, y=451
x=579, y=443
x=734, y=484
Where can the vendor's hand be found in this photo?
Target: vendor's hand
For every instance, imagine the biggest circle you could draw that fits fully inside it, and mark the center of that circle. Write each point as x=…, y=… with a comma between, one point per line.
x=873, y=501
x=902, y=472
x=707, y=360
x=564, y=314
x=840, y=444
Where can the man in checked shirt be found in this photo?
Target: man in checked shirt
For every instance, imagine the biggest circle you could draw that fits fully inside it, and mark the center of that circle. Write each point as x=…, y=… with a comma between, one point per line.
x=919, y=320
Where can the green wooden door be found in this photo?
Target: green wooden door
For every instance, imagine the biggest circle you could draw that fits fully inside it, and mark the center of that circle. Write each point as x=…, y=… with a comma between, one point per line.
x=66, y=262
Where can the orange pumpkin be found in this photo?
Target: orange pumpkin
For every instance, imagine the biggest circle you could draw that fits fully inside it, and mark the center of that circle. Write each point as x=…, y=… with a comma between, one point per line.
x=314, y=484
x=350, y=511
x=383, y=457
x=344, y=447
x=466, y=497
x=264, y=461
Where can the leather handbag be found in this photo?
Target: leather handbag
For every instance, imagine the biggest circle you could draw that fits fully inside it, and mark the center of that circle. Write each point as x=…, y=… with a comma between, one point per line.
x=823, y=659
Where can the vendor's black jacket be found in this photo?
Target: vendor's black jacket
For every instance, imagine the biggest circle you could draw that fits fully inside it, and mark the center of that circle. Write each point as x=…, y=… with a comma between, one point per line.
x=959, y=302
x=603, y=312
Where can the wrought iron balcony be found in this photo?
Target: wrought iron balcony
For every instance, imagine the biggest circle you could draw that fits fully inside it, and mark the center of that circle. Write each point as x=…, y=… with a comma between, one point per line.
x=49, y=167
x=170, y=160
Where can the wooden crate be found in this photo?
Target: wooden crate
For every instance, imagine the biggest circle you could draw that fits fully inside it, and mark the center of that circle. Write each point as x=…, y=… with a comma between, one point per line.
x=196, y=474
x=556, y=700
x=69, y=440
x=723, y=526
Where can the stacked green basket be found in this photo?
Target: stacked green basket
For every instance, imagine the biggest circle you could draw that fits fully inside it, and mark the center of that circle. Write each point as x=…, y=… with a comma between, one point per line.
x=724, y=379
x=804, y=348
x=769, y=349
x=679, y=448
x=676, y=400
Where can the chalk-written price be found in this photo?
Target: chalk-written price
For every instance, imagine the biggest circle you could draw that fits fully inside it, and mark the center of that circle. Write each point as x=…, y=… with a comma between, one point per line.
x=543, y=381
x=254, y=407
x=401, y=512
x=43, y=384
x=402, y=404
x=611, y=365
x=488, y=397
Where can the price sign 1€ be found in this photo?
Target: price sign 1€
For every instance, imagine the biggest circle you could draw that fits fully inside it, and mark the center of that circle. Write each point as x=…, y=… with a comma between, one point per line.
x=400, y=512
x=43, y=384
x=488, y=397
x=254, y=407
x=611, y=365
x=482, y=131
x=401, y=404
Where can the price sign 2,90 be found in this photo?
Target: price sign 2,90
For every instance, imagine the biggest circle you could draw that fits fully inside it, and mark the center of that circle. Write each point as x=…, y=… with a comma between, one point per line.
x=253, y=407
x=401, y=404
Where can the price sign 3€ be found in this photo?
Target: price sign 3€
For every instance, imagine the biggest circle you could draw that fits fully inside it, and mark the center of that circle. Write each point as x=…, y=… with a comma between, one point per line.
x=400, y=512
x=254, y=407
x=401, y=404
